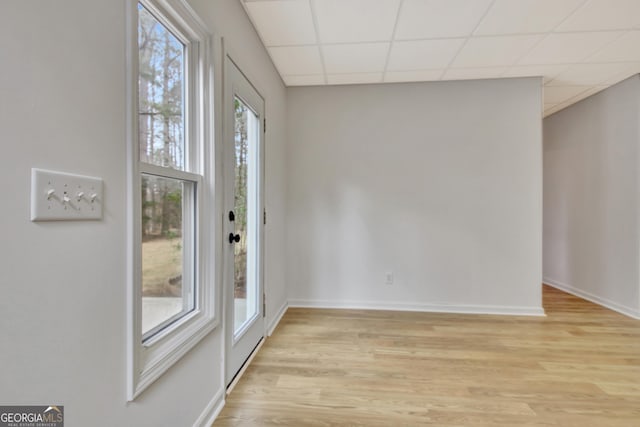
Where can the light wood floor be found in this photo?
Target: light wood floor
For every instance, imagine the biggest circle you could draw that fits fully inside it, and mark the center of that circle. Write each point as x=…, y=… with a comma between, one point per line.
x=579, y=366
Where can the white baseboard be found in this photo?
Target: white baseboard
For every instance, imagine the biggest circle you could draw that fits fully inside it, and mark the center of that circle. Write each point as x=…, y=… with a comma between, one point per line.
x=273, y=323
x=212, y=410
x=430, y=308
x=607, y=303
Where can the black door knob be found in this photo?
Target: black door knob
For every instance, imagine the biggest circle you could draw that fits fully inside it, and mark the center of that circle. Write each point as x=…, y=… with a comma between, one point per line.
x=234, y=238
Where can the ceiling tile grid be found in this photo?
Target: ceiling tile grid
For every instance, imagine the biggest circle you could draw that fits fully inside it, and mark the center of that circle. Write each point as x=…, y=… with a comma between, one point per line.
x=355, y=58
x=353, y=21
x=432, y=19
x=578, y=47
x=423, y=54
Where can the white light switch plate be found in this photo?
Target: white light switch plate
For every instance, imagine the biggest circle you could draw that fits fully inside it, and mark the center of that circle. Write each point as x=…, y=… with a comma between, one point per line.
x=58, y=196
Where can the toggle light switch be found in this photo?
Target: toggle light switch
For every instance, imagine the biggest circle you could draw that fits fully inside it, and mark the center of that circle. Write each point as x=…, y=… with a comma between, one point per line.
x=73, y=204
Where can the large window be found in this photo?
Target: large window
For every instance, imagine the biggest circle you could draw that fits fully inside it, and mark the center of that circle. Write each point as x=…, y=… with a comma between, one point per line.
x=169, y=198
x=171, y=291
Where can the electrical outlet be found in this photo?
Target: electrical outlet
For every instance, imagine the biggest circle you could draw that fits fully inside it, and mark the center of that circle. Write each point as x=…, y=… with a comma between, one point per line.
x=388, y=278
x=58, y=196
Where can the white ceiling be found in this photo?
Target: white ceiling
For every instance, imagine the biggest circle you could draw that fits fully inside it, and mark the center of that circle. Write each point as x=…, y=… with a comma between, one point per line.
x=579, y=46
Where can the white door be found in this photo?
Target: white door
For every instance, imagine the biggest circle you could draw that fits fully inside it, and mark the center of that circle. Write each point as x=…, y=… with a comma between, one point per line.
x=244, y=172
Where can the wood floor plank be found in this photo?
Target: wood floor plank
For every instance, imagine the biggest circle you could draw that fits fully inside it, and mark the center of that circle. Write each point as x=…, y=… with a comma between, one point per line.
x=579, y=366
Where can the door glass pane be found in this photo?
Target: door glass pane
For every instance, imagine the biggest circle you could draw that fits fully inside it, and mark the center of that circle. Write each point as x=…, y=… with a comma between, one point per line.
x=246, y=220
x=160, y=93
x=167, y=283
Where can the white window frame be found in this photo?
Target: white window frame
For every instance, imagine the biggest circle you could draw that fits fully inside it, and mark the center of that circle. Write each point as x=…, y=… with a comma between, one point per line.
x=148, y=359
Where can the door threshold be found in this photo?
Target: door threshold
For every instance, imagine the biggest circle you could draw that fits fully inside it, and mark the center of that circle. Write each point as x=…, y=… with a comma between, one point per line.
x=244, y=367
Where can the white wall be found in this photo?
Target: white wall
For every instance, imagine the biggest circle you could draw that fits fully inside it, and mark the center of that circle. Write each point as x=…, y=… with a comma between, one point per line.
x=440, y=183
x=63, y=285
x=591, y=162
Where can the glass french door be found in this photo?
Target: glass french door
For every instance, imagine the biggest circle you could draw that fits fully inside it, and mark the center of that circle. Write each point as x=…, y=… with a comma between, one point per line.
x=244, y=109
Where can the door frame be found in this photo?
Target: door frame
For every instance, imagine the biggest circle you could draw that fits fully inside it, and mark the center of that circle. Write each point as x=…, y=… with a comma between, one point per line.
x=236, y=83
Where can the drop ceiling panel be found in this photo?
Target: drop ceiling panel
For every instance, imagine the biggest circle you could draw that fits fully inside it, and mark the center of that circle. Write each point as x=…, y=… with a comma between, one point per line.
x=630, y=69
x=423, y=54
x=587, y=93
x=604, y=15
x=626, y=48
x=422, y=19
x=349, y=21
x=283, y=22
x=354, y=78
x=589, y=74
x=568, y=48
x=413, y=76
x=494, y=51
x=355, y=58
x=546, y=71
x=304, y=80
x=525, y=16
x=297, y=59
x=557, y=94
x=577, y=46
x=474, y=73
